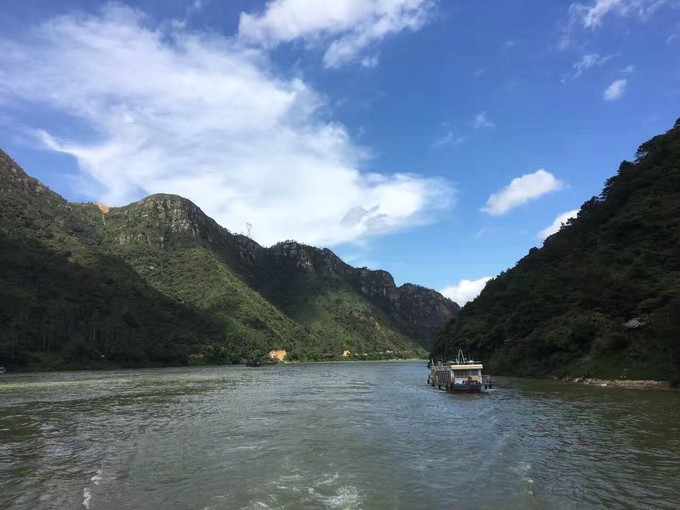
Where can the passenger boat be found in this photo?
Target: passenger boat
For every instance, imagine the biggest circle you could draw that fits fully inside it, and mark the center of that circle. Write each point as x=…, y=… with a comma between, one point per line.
x=460, y=374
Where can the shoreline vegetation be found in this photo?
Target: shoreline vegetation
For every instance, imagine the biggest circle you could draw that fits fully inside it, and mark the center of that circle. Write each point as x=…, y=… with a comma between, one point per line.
x=102, y=367
x=625, y=384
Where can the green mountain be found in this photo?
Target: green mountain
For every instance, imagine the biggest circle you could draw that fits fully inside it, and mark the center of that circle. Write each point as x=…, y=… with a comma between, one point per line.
x=159, y=282
x=65, y=303
x=601, y=298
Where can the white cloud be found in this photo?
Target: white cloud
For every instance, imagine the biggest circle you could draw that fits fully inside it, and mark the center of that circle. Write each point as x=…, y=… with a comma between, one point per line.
x=629, y=69
x=557, y=224
x=591, y=14
x=588, y=62
x=347, y=27
x=466, y=290
x=174, y=111
x=615, y=90
x=482, y=121
x=522, y=190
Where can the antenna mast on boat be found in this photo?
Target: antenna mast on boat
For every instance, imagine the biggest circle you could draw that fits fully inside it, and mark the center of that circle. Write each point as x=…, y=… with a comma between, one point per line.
x=460, y=359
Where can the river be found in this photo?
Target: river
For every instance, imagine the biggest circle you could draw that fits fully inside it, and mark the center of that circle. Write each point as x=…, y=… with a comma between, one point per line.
x=337, y=435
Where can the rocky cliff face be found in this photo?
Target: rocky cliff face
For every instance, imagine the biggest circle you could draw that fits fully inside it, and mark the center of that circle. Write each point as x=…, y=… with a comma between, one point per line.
x=424, y=311
x=288, y=273
x=419, y=312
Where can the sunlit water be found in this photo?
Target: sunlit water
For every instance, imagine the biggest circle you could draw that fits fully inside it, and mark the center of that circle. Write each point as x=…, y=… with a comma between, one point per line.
x=343, y=435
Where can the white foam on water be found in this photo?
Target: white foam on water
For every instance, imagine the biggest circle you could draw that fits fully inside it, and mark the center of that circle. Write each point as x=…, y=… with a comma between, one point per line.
x=256, y=504
x=328, y=480
x=346, y=497
x=97, y=477
x=521, y=469
x=87, y=496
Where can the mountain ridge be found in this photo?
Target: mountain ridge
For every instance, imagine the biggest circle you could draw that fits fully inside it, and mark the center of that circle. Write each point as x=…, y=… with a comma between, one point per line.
x=232, y=297
x=263, y=268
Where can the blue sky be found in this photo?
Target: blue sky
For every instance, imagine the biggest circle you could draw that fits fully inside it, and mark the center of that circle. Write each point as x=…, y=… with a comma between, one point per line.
x=439, y=140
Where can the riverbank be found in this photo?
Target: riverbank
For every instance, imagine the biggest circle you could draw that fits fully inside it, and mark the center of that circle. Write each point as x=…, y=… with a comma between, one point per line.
x=105, y=366
x=624, y=383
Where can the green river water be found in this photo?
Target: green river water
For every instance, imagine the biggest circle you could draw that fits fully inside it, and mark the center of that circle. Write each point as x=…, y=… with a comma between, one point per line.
x=337, y=435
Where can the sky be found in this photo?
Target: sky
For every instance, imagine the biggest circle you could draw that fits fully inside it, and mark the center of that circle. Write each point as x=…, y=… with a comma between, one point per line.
x=438, y=140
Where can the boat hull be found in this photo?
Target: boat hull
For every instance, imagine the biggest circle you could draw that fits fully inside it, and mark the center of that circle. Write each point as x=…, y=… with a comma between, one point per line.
x=463, y=387
x=469, y=388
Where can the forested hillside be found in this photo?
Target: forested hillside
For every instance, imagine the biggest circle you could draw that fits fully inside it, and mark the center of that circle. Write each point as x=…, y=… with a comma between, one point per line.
x=65, y=303
x=602, y=296
x=159, y=282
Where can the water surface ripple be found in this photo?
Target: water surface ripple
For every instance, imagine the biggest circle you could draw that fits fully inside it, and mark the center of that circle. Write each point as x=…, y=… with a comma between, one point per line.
x=337, y=435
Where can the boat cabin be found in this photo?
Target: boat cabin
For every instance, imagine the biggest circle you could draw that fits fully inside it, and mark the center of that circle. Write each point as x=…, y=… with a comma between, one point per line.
x=467, y=373
x=460, y=374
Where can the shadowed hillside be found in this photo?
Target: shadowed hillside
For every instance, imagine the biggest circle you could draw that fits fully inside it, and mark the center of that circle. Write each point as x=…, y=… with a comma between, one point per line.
x=602, y=296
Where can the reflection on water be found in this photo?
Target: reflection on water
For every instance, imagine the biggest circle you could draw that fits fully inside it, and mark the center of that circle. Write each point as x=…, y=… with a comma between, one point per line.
x=343, y=435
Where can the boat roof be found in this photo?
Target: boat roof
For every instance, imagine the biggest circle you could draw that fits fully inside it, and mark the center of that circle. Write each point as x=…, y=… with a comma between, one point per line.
x=462, y=363
x=471, y=365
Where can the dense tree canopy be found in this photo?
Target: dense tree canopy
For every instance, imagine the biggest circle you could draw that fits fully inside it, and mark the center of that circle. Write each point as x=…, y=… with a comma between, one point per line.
x=602, y=296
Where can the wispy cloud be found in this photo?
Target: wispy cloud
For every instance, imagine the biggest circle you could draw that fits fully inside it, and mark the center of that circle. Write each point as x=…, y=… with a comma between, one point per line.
x=196, y=114
x=615, y=90
x=556, y=225
x=482, y=121
x=346, y=27
x=449, y=138
x=522, y=190
x=465, y=290
x=370, y=61
x=629, y=69
x=587, y=62
x=482, y=232
x=590, y=15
